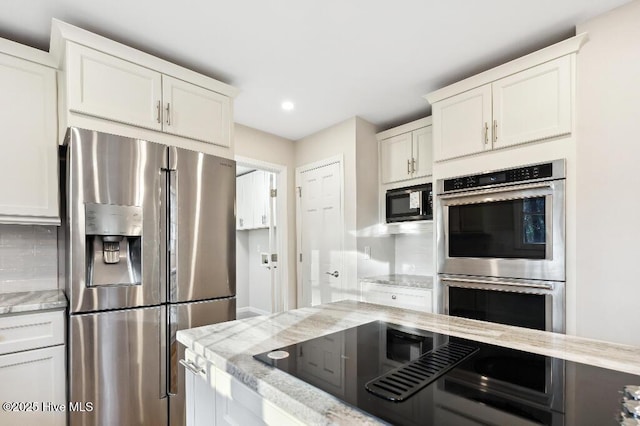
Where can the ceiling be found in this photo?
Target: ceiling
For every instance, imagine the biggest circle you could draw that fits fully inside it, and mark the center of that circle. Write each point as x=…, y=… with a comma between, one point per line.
x=333, y=58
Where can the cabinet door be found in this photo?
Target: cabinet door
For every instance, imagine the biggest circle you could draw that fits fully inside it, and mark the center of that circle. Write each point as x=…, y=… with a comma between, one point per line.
x=422, y=152
x=395, y=158
x=533, y=104
x=244, y=215
x=107, y=87
x=36, y=376
x=200, y=400
x=260, y=200
x=194, y=112
x=29, y=161
x=462, y=124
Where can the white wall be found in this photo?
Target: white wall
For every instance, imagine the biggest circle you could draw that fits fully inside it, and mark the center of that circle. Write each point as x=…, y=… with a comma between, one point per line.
x=28, y=258
x=262, y=146
x=353, y=139
x=608, y=200
x=367, y=214
x=338, y=140
x=259, y=276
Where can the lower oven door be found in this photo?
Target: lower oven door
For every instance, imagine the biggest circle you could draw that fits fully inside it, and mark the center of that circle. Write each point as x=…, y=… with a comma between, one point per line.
x=523, y=303
x=513, y=231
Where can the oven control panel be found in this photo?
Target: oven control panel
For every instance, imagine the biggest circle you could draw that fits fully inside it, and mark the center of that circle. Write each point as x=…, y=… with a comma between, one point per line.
x=520, y=174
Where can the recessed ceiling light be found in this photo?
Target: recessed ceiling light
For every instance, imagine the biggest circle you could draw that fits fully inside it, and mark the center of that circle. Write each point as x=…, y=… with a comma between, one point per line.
x=288, y=106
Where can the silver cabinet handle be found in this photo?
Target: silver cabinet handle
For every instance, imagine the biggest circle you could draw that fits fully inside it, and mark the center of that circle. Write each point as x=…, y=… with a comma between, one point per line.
x=486, y=133
x=264, y=219
x=413, y=165
x=159, y=107
x=241, y=222
x=495, y=131
x=168, y=114
x=394, y=297
x=408, y=167
x=191, y=366
x=334, y=274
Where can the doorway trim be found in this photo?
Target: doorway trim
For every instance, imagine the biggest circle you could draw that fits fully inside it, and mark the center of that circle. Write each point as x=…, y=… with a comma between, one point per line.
x=280, y=290
x=299, y=170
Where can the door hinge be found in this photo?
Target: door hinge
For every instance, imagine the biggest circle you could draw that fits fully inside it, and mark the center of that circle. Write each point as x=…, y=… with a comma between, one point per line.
x=274, y=193
x=299, y=188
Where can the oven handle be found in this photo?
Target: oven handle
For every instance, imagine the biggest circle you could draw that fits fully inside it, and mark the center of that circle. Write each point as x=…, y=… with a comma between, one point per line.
x=502, y=189
x=501, y=283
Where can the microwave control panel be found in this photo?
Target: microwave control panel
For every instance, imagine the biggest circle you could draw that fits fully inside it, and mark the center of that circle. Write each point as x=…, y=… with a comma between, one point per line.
x=520, y=174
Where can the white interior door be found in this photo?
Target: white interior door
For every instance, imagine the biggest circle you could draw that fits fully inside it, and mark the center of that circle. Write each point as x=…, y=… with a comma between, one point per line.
x=321, y=234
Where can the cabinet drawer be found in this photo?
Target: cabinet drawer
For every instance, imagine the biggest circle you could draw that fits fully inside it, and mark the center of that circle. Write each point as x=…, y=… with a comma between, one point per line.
x=399, y=297
x=30, y=331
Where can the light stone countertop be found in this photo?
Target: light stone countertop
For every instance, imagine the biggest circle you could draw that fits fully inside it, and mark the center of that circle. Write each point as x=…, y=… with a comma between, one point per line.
x=231, y=346
x=402, y=280
x=31, y=301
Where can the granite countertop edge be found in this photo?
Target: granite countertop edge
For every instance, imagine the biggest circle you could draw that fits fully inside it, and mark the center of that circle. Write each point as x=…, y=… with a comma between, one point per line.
x=32, y=301
x=230, y=347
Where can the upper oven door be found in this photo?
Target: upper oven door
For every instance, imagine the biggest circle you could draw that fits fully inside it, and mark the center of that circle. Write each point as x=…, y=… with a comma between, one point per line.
x=512, y=231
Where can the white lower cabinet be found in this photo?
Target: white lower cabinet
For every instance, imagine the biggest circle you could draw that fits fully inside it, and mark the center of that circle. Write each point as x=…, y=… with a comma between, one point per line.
x=419, y=299
x=216, y=398
x=32, y=382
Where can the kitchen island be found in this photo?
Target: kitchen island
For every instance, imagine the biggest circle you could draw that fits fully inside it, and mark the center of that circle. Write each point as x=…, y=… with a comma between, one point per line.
x=223, y=353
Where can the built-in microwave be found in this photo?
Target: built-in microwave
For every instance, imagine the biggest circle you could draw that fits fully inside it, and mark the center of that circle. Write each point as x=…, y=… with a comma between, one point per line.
x=409, y=203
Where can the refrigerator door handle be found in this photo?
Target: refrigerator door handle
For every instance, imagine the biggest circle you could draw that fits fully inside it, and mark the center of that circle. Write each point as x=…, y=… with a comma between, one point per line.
x=172, y=231
x=163, y=351
x=173, y=350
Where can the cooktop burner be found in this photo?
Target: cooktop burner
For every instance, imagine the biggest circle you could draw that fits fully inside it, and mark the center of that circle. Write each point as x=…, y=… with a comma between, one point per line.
x=408, y=376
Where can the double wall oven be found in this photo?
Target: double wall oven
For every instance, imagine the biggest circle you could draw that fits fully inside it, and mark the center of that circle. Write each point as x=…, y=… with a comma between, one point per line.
x=501, y=246
x=501, y=258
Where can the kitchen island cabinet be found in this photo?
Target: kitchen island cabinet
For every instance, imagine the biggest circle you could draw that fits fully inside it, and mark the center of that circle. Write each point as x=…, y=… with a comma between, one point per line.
x=242, y=388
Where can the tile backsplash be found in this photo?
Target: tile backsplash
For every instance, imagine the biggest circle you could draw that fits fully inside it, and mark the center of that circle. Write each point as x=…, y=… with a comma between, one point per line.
x=28, y=258
x=414, y=254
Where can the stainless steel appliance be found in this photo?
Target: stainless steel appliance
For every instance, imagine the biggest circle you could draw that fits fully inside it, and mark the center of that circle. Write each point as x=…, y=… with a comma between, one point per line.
x=150, y=249
x=506, y=223
x=501, y=246
x=409, y=203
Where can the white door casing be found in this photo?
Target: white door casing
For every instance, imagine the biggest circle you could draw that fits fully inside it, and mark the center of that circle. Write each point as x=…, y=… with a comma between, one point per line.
x=321, y=233
x=278, y=238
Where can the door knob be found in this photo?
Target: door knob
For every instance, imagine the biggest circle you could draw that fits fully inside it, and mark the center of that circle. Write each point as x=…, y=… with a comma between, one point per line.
x=334, y=274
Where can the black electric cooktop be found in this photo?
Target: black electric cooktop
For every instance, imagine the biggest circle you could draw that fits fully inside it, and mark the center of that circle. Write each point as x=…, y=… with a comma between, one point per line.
x=408, y=376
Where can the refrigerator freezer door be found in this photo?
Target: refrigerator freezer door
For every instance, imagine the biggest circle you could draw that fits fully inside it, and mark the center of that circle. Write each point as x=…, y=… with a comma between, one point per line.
x=116, y=361
x=114, y=209
x=202, y=239
x=183, y=316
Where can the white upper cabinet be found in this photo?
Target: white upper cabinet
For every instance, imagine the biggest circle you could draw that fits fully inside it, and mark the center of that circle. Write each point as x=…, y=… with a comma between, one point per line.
x=422, y=152
x=525, y=100
x=29, y=161
x=406, y=152
x=461, y=124
x=108, y=87
x=533, y=104
x=253, y=197
x=395, y=158
x=196, y=113
x=113, y=88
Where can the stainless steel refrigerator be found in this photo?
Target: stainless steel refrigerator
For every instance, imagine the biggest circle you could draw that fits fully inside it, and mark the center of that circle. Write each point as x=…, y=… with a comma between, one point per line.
x=150, y=249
